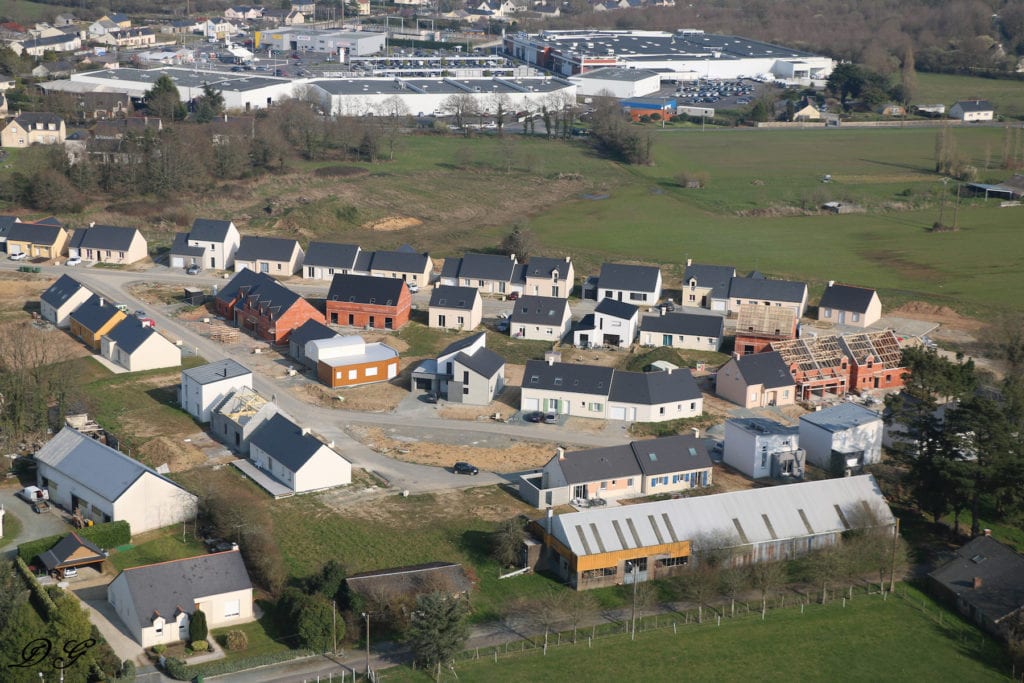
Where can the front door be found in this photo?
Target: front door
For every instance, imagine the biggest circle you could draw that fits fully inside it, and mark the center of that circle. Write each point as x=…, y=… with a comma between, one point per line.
x=579, y=491
x=666, y=340
x=441, y=321
x=842, y=317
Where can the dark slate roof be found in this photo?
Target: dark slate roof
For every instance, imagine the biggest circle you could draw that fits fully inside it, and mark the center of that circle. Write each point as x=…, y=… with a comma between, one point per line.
x=57, y=556
x=653, y=388
x=60, y=291
x=616, y=309
x=767, y=369
x=92, y=315
x=310, y=330
x=715, y=277
x=34, y=233
x=209, y=230
x=450, y=268
x=331, y=255
x=975, y=105
x=541, y=266
x=1000, y=569
x=6, y=221
x=460, y=344
x=540, y=310
x=366, y=289
x=130, y=334
x=694, y=324
x=247, y=284
x=183, y=248
x=567, y=377
x=670, y=454
x=216, y=371
x=587, y=322
x=164, y=587
x=484, y=362
x=447, y=296
x=847, y=298
x=399, y=261
x=628, y=277
x=254, y=248
x=284, y=441
x=104, y=237
x=755, y=286
x=485, y=267
x=599, y=464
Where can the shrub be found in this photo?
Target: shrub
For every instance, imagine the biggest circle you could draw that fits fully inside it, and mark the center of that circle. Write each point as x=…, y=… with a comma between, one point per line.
x=236, y=640
x=177, y=669
x=200, y=646
x=109, y=535
x=159, y=648
x=127, y=672
x=197, y=631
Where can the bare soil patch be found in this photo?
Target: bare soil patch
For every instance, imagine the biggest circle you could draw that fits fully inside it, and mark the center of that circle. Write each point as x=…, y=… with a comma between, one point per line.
x=177, y=454
x=392, y=224
x=475, y=413
x=945, y=316
x=516, y=456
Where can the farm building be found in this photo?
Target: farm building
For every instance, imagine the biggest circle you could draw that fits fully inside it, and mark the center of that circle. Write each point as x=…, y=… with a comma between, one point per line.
x=591, y=549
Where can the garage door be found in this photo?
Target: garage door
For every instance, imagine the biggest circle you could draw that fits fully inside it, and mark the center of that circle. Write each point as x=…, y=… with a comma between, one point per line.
x=617, y=413
x=177, y=262
x=717, y=305
x=531, y=404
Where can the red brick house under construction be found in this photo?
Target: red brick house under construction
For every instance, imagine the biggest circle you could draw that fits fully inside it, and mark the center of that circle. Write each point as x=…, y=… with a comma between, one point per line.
x=758, y=326
x=365, y=301
x=260, y=304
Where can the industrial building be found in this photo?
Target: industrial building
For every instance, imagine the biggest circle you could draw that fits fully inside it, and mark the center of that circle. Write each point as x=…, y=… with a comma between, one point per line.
x=607, y=546
x=618, y=82
x=340, y=42
x=684, y=55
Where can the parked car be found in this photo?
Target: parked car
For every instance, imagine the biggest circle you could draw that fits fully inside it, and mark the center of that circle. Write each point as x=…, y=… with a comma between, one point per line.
x=413, y=288
x=550, y=418
x=74, y=261
x=20, y=256
x=513, y=296
x=70, y=572
x=534, y=417
x=140, y=314
x=430, y=398
x=464, y=468
x=193, y=269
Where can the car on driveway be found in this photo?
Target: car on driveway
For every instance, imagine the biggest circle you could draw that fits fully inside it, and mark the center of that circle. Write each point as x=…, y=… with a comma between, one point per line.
x=430, y=398
x=551, y=418
x=193, y=269
x=413, y=288
x=73, y=261
x=464, y=468
x=20, y=256
x=534, y=417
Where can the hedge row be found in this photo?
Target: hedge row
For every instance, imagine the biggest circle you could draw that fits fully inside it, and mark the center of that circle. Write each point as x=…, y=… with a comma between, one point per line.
x=44, y=602
x=109, y=535
x=226, y=666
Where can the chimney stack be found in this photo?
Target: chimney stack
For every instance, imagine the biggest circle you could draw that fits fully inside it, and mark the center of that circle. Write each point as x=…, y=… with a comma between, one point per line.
x=103, y=302
x=977, y=582
x=689, y=262
x=92, y=224
x=305, y=431
x=831, y=283
x=696, y=432
x=560, y=452
x=987, y=532
x=568, y=259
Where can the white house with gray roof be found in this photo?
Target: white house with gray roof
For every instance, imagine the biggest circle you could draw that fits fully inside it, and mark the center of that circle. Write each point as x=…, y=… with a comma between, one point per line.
x=455, y=308
x=613, y=323
x=706, y=286
x=756, y=381
x=545, y=318
x=108, y=244
x=137, y=347
x=209, y=244
x=156, y=601
x=755, y=288
x=324, y=260
x=638, y=285
x=205, y=386
x=106, y=485
x=843, y=438
x=490, y=273
x=850, y=305
x=464, y=372
x=276, y=256
x=295, y=458
x=696, y=331
x=61, y=299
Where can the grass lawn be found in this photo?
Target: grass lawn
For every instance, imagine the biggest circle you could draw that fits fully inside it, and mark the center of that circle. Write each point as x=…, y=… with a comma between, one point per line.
x=1007, y=96
x=869, y=639
x=260, y=641
x=31, y=12
x=167, y=545
x=12, y=527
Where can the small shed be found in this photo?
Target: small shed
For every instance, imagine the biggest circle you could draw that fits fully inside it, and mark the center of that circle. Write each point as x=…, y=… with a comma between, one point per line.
x=194, y=296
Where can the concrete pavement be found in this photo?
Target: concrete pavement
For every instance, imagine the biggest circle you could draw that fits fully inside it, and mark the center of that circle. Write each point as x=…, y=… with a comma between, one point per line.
x=33, y=525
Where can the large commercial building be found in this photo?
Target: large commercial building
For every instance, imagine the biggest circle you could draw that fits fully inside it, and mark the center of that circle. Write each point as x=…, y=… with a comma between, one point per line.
x=685, y=54
x=340, y=42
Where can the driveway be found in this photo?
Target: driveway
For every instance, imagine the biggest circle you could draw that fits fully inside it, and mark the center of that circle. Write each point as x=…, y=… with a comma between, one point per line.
x=33, y=525
x=102, y=614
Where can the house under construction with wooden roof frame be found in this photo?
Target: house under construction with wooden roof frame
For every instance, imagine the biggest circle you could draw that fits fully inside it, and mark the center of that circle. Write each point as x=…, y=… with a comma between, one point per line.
x=758, y=326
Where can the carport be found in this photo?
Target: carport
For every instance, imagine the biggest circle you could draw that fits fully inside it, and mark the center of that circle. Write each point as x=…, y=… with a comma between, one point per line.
x=72, y=552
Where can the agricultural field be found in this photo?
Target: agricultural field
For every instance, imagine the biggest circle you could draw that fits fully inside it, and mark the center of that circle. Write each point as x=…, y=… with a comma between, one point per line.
x=1007, y=96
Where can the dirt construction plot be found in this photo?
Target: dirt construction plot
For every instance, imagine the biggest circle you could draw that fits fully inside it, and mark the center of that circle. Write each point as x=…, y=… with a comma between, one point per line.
x=943, y=315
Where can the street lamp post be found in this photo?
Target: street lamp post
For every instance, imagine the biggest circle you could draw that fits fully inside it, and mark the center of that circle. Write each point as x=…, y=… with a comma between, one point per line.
x=366, y=616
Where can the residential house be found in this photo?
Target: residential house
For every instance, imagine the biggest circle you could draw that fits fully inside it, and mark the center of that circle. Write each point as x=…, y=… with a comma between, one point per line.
x=311, y=330
x=101, y=27
x=756, y=381
x=835, y=365
x=243, y=13
x=549, y=277
x=292, y=456
x=72, y=552
x=842, y=439
x=757, y=327
x=137, y=347
x=850, y=305
x=33, y=128
x=263, y=306
x=156, y=601
x=985, y=582
x=324, y=260
x=757, y=289
x=350, y=361
x=206, y=386
x=464, y=372
x=37, y=46
x=65, y=20
x=613, y=323
x=706, y=286
x=638, y=285
x=51, y=70
x=209, y=244
x=235, y=419
x=807, y=111
x=108, y=244
x=761, y=448
x=6, y=222
x=130, y=38
x=371, y=302
x=972, y=110
x=93, y=319
x=695, y=331
x=62, y=298
x=43, y=239
x=105, y=485
x=490, y=273
x=540, y=318
x=589, y=549
x=640, y=468
x=404, y=263
x=118, y=19
x=876, y=360
x=600, y=392
x=271, y=255
x=455, y=308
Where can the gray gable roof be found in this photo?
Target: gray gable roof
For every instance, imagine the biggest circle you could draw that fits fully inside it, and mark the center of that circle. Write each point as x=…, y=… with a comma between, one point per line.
x=57, y=556
x=460, y=344
x=1000, y=569
x=95, y=465
x=847, y=298
x=209, y=230
x=269, y=293
x=60, y=291
x=975, y=105
x=92, y=315
x=104, y=237
x=216, y=371
x=366, y=289
x=653, y=388
x=755, y=286
x=692, y=324
x=485, y=267
x=767, y=369
x=598, y=464
x=677, y=453
x=567, y=377
x=649, y=457
x=310, y=331
x=34, y=233
x=253, y=248
x=331, y=255
x=628, y=277
x=447, y=296
x=616, y=309
x=6, y=221
x=484, y=362
x=130, y=334
x=400, y=261
x=163, y=588
x=284, y=441
x=542, y=266
x=181, y=247
x=715, y=277
x=540, y=310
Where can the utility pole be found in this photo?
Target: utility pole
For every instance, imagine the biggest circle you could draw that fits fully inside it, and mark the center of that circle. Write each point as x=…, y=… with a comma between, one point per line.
x=334, y=628
x=892, y=562
x=366, y=615
x=633, y=568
